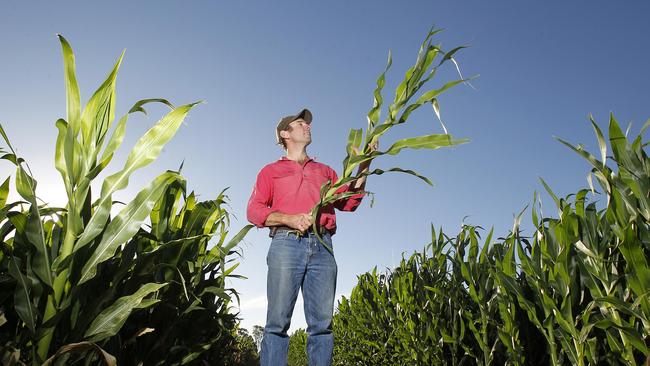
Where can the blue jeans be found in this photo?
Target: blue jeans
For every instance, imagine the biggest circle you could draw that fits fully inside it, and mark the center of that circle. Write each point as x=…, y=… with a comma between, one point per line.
x=295, y=263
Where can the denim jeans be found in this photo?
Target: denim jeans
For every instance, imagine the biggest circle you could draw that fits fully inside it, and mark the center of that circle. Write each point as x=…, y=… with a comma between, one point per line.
x=299, y=263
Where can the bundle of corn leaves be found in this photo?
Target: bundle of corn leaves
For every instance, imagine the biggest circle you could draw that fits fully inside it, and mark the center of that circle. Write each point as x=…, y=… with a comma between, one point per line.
x=360, y=145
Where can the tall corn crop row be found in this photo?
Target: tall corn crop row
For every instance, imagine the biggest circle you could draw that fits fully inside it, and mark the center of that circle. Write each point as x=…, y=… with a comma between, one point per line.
x=574, y=293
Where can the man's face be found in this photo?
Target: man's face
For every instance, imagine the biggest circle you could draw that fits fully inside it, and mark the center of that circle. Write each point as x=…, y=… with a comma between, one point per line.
x=299, y=131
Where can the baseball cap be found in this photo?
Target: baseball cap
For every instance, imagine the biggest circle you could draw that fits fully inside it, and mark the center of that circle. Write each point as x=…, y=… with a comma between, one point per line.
x=304, y=114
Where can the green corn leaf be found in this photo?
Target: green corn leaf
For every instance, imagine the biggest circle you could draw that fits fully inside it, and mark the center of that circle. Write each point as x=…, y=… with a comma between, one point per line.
x=430, y=95
x=584, y=154
x=127, y=223
x=99, y=113
x=165, y=208
x=146, y=303
x=639, y=272
x=486, y=246
x=18, y=220
x=4, y=192
x=618, y=141
x=228, y=271
x=550, y=193
x=4, y=136
x=111, y=319
x=26, y=187
x=580, y=202
x=25, y=184
x=354, y=140
x=12, y=158
x=145, y=151
x=373, y=114
x=449, y=55
x=218, y=291
x=400, y=92
x=601, y=141
x=23, y=295
x=137, y=107
x=71, y=88
x=117, y=137
x=645, y=127
x=434, y=141
x=60, y=161
x=71, y=151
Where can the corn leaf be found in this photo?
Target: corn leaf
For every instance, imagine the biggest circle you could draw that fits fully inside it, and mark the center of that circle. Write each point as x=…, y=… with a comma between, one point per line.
x=23, y=295
x=71, y=88
x=111, y=319
x=424, y=142
x=4, y=192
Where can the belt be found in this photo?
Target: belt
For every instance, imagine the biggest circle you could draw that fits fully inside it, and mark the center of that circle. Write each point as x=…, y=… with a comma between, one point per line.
x=275, y=229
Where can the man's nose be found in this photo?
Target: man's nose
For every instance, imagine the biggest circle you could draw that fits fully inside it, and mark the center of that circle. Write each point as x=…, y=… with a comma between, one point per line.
x=308, y=127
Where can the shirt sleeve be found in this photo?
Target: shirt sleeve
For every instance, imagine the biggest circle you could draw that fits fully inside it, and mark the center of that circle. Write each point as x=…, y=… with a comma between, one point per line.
x=346, y=204
x=259, y=204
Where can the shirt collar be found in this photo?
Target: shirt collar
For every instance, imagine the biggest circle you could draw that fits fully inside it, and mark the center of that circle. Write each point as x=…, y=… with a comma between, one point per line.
x=284, y=158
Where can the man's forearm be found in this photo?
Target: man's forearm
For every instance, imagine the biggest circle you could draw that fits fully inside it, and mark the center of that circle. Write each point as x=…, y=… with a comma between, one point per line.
x=299, y=222
x=277, y=219
x=360, y=183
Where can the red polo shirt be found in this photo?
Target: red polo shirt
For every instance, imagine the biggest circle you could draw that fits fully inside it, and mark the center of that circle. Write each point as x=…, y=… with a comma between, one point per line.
x=287, y=187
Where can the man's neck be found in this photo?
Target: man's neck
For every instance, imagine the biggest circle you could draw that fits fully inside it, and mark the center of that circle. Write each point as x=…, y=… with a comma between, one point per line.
x=297, y=154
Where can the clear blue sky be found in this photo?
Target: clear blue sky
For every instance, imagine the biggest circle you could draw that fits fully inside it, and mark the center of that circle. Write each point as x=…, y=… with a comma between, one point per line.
x=544, y=67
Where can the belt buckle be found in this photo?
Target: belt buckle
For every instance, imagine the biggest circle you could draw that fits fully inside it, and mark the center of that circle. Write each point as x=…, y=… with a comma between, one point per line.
x=320, y=231
x=298, y=233
x=274, y=230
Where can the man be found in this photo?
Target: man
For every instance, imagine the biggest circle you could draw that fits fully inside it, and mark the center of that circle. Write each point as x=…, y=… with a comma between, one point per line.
x=284, y=194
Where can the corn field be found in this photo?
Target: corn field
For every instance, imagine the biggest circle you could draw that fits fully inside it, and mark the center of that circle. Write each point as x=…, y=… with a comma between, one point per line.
x=574, y=293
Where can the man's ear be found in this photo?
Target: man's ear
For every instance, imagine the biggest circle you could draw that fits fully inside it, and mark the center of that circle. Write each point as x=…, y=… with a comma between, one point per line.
x=284, y=134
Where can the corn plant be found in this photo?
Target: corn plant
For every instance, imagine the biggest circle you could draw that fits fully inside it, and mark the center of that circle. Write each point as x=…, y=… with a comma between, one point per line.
x=71, y=277
x=358, y=149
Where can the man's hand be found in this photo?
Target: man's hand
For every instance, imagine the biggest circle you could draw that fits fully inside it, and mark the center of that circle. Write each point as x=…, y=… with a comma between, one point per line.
x=300, y=222
x=360, y=183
